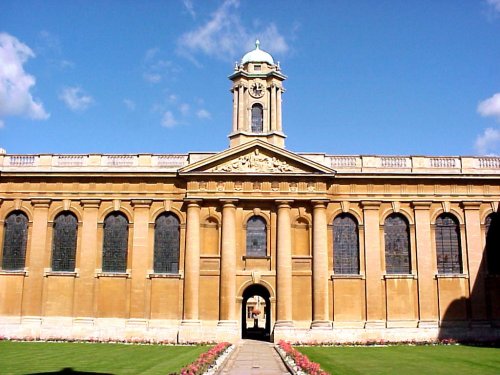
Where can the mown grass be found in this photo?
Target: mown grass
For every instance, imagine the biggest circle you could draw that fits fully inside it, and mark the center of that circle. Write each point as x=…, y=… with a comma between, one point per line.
x=39, y=357
x=407, y=360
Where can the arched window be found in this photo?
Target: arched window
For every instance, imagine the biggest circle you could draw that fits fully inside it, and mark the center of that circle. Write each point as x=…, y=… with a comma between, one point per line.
x=492, y=227
x=64, y=242
x=115, y=243
x=448, y=248
x=166, y=249
x=256, y=237
x=257, y=118
x=15, y=239
x=345, y=245
x=397, y=245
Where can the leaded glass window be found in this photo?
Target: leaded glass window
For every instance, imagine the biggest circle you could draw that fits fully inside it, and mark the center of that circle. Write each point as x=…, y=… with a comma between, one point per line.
x=166, y=248
x=492, y=227
x=15, y=239
x=115, y=243
x=345, y=245
x=397, y=245
x=448, y=249
x=256, y=237
x=64, y=242
x=257, y=118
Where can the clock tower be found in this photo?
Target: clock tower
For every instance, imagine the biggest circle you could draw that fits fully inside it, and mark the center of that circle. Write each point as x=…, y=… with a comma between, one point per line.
x=257, y=88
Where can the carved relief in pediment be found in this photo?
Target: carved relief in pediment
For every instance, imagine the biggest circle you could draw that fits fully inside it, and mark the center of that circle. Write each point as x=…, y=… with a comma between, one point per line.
x=255, y=162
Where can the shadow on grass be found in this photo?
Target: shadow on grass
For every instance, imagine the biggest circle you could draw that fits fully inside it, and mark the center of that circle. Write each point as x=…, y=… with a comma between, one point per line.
x=69, y=370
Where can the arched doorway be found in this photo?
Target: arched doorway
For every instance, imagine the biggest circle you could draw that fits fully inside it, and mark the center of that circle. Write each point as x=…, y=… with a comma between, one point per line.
x=256, y=324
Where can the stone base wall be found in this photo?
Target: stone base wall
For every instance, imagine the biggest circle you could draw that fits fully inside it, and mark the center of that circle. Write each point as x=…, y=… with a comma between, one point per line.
x=175, y=331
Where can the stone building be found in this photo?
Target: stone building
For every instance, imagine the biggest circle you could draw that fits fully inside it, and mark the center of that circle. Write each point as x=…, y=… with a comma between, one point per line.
x=171, y=247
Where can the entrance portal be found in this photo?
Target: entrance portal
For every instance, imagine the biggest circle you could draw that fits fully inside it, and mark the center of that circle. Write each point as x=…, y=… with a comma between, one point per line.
x=256, y=313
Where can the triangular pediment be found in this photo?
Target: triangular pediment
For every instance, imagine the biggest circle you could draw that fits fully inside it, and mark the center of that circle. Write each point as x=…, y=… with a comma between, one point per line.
x=256, y=157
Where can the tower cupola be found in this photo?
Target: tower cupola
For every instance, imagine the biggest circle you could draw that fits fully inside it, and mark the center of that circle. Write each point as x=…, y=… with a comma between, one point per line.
x=257, y=88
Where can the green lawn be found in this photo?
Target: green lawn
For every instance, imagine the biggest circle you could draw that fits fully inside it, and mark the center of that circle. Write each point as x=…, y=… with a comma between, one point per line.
x=37, y=357
x=406, y=360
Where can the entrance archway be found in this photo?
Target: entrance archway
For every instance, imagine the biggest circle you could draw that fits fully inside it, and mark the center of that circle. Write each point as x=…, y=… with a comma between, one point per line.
x=256, y=326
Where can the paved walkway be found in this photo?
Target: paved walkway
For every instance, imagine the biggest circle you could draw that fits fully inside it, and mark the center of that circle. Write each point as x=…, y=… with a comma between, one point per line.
x=252, y=357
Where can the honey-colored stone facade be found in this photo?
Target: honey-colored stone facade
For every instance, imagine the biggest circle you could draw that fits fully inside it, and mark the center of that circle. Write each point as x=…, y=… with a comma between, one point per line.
x=214, y=195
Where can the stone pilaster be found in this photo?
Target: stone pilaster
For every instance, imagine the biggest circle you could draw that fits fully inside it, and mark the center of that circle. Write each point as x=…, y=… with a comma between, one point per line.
x=320, y=266
x=190, y=329
x=140, y=258
x=86, y=260
x=284, y=266
x=33, y=284
x=241, y=108
x=228, y=262
x=375, y=312
x=475, y=255
x=227, y=327
x=272, y=123
x=235, y=109
x=192, y=261
x=278, y=110
x=426, y=267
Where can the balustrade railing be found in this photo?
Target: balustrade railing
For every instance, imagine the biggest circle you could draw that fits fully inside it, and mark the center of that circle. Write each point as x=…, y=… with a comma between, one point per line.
x=343, y=161
x=442, y=162
x=21, y=160
x=392, y=162
x=70, y=160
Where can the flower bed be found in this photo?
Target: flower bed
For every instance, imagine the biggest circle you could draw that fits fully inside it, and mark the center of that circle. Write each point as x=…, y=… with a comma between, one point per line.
x=208, y=362
x=299, y=362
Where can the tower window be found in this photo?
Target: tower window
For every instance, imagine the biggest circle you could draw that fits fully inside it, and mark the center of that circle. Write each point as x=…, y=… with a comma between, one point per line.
x=448, y=248
x=397, y=245
x=257, y=118
x=64, y=242
x=345, y=245
x=166, y=247
x=257, y=67
x=256, y=237
x=115, y=246
x=14, y=241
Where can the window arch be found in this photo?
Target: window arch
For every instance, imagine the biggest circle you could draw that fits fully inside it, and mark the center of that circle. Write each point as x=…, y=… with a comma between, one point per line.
x=448, y=247
x=257, y=118
x=15, y=239
x=492, y=229
x=166, y=247
x=115, y=243
x=397, y=245
x=345, y=245
x=256, y=237
x=64, y=242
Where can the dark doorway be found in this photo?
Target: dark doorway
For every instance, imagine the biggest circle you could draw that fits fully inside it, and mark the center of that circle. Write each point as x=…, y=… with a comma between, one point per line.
x=256, y=313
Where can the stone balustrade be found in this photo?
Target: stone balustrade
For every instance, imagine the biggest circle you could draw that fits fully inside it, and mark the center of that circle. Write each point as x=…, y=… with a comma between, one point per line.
x=172, y=162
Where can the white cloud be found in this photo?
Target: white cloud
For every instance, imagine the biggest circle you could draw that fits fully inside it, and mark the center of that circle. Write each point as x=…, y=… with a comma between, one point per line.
x=488, y=142
x=494, y=4
x=169, y=120
x=130, y=104
x=224, y=36
x=156, y=68
x=188, y=4
x=152, y=77
x=203, y=114
x=75, y=98
x=15, y=83
x=184, y=109
x=490, y=106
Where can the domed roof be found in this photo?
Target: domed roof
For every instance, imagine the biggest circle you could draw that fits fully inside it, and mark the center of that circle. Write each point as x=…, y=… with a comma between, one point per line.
x=257, y=55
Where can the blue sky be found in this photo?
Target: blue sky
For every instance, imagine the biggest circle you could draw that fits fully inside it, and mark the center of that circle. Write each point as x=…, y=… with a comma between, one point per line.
x=364, y=77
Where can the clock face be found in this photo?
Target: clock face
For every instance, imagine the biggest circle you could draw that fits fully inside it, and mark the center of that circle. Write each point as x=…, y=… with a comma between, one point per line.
x=257, y=90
